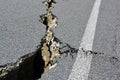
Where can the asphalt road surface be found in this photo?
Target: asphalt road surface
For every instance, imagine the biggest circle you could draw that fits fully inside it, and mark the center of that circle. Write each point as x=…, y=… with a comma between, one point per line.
x=20, y=29
x=21, y=32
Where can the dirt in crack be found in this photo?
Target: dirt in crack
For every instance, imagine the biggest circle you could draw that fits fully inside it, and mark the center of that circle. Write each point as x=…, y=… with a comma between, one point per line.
x=33, y=65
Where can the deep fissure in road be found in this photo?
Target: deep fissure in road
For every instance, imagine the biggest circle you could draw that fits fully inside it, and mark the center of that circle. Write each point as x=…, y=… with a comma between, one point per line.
x=31, y=66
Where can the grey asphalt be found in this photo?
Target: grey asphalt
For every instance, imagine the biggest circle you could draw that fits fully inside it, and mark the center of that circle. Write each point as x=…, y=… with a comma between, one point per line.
x=21, y=32
x=20, y=29
x=73, y=17
x=107, y=40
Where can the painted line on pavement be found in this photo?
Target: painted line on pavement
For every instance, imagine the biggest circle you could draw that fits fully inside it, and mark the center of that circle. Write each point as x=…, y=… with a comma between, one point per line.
x=82, y=64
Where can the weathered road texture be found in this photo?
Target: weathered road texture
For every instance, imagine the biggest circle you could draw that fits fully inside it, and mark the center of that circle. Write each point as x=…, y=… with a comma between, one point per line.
x=107, y=40
x=20, y=29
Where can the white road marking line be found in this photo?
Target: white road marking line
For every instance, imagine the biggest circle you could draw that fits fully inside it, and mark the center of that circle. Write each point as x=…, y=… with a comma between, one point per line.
x=82, y=64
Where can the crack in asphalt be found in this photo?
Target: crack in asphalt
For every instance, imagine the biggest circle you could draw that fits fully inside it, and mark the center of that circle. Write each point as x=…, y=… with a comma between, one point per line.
x=31, y=66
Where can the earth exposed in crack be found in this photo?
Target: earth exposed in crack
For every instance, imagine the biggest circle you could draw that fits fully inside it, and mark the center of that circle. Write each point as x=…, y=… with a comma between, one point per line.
x=30, y=66
x=33, y=65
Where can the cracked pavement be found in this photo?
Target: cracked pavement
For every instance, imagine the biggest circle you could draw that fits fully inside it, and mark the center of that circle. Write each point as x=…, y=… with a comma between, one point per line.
x=21, y=32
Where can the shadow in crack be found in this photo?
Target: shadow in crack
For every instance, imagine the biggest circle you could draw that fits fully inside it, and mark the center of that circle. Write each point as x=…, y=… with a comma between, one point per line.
x=28, y=67
x=31, y=66
x=38, y=65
